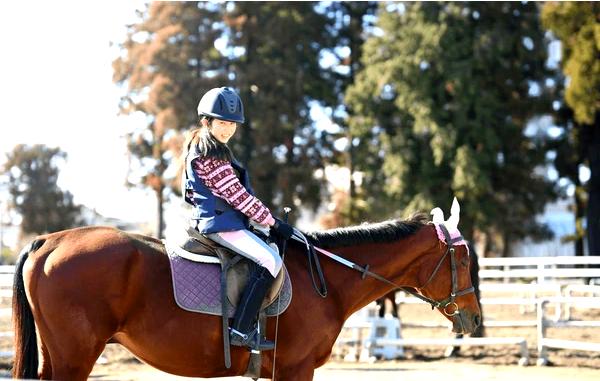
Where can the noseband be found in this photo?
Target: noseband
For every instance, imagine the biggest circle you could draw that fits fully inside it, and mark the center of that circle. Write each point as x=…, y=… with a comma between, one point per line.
x=442, y=304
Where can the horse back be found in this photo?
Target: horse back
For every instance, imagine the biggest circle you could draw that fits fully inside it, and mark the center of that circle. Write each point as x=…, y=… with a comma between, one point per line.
x=99, y=269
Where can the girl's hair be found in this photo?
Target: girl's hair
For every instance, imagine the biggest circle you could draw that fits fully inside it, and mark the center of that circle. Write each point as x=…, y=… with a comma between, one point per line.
x=205, y=143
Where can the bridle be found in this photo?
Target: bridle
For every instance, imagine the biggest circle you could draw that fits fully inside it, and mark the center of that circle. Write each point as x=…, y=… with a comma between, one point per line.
x=441, y=304
x=449, y=301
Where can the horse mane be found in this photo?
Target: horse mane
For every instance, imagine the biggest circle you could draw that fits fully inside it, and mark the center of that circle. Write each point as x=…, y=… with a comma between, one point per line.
x=380, y=232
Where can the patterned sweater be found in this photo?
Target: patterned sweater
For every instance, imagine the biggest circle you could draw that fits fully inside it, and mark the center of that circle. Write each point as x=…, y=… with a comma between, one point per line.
x=219, y=176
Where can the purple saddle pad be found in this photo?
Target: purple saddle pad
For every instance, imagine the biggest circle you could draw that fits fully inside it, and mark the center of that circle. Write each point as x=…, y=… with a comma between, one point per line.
x=197, y=288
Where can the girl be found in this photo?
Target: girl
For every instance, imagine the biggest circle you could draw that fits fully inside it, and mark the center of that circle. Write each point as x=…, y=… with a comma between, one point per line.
x=219, y=190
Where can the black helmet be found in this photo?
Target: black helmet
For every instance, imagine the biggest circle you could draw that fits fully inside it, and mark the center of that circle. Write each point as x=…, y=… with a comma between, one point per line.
x=222, y=103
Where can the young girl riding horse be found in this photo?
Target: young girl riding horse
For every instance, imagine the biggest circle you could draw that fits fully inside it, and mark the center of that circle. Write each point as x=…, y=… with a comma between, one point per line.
x=218, y=188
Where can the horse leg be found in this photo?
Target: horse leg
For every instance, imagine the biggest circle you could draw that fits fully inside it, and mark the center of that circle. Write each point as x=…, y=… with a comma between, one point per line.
x=69, y=352
x=394, y=305
x=74, y=361
x=380, y=307
x=46, y=363
x=453, y=350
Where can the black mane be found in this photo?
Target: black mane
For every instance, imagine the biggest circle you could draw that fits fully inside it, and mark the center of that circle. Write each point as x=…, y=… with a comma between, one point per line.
x=386, y=231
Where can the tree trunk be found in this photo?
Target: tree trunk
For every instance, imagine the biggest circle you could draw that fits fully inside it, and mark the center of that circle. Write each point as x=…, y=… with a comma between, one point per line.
x=352, y=188
x=579, y=216
x=160, y=227
x=593, y=210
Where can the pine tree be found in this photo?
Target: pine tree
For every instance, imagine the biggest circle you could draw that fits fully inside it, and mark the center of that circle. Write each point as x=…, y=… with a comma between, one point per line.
x=577, y=26
x=443, y=105
x=33, y=173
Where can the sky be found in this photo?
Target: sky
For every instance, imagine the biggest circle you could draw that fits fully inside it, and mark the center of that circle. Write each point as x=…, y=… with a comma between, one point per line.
x=56, y=89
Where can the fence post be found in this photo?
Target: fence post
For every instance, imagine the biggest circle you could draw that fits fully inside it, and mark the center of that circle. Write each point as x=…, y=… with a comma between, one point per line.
x=541, y=332
x=540, y=271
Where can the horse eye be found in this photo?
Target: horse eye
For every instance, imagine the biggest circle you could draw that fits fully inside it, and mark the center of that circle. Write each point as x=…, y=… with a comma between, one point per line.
x=464, y=262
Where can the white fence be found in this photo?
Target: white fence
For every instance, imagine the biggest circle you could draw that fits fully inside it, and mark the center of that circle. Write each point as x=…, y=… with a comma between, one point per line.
x=6, y=282
x=550, y=281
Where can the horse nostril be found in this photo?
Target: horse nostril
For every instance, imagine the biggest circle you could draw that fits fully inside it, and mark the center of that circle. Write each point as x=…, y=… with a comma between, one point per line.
x=477, y=320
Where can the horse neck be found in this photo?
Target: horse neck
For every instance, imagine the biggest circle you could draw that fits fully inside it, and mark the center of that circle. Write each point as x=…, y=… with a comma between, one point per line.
x=398, y=262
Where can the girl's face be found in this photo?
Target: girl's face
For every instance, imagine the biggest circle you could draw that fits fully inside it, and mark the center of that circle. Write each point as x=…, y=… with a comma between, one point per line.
x=222, y=130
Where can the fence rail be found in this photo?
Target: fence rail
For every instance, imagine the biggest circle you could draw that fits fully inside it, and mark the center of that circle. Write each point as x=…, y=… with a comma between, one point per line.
x=553, y=281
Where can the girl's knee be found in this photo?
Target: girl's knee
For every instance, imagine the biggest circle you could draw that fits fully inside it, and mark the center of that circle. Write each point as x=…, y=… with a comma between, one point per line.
x=277, y=265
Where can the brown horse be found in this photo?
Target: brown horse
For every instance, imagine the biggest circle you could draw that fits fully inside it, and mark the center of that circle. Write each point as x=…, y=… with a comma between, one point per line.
x=85, y=287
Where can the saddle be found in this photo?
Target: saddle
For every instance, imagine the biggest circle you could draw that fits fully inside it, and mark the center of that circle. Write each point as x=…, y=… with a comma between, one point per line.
x=209, y=278
x=204, y=271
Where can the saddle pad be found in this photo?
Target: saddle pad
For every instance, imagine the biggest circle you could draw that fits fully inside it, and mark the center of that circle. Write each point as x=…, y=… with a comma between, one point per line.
x=197, y=288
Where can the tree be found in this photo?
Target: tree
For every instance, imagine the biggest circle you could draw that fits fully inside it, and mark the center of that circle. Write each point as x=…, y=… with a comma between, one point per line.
x=577, y=26
x=350, y=23
x=170, y=60
x=442, y=107
x=274, y=50
x=33, y=174
x=269, y=52
x=569, y=157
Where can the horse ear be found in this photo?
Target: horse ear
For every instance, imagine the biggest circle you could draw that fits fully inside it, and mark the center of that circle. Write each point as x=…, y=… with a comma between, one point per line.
x=438, y=215
x=454, y=218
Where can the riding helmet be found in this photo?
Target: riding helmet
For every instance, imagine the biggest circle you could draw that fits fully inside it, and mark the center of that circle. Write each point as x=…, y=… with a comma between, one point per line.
x=222, y=103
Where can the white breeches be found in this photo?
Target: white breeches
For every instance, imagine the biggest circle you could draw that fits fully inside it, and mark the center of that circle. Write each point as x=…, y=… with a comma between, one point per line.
x=247, y=244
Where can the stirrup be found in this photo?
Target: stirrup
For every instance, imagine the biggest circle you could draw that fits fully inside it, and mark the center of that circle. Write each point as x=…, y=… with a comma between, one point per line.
x=253, y=340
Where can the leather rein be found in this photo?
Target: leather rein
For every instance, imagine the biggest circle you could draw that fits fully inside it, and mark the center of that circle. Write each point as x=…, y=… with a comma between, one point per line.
x=442, y=304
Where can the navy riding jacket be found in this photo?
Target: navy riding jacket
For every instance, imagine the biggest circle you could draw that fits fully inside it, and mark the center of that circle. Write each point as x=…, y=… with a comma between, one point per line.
x=211, y=213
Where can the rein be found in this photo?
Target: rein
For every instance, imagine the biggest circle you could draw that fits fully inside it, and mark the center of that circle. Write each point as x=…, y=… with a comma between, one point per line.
x=442, y=304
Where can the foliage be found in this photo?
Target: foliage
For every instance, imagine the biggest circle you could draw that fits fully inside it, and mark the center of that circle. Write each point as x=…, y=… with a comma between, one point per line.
x=278, y=74
x=7, y=257
x=577, y=26
x=441, y=110
x=33, y=174
x=350, y=23
x=434, y=100
x=169, y=60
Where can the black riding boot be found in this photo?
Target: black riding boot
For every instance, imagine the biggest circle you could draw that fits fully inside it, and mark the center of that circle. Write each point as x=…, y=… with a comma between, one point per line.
x=244, y=331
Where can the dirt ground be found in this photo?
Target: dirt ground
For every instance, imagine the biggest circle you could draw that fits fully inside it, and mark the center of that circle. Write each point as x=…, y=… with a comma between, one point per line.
x=420, y=363
x=460, y=369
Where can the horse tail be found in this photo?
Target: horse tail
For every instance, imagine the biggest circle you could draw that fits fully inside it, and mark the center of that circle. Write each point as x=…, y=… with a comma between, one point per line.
x=25, y=341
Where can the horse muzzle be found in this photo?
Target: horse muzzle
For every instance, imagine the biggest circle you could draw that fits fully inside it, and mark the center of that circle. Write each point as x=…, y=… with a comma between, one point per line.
x=465, y=321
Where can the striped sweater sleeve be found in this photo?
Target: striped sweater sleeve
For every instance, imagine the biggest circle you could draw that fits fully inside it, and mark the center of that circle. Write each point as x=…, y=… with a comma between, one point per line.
x=219, y=176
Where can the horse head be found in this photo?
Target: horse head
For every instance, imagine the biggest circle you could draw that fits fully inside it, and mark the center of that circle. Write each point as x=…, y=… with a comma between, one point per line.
x=444, y=278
